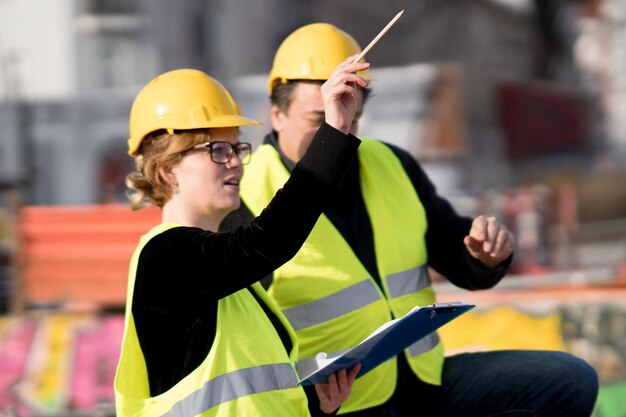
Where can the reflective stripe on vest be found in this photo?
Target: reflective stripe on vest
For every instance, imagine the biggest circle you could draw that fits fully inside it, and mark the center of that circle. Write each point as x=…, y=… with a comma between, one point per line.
x=407, y=282
x=234, y=385
x=354, y=297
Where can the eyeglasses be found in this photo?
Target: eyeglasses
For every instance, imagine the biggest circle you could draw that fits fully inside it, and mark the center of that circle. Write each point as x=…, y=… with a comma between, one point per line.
x=222, y=152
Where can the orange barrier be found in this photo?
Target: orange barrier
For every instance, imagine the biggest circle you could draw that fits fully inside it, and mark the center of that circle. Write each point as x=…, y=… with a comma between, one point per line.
x=78, y=254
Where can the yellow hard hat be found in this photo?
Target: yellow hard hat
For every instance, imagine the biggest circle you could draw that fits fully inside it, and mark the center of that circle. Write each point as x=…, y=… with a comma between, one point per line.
x=311, y=53
x=182, y=99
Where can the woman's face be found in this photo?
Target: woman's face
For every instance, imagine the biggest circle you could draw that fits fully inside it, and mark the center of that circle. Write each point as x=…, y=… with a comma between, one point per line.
x=205, y=188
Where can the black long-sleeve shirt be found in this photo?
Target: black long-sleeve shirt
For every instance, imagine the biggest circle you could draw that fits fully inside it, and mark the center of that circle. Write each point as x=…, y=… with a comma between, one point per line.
x=183, y=272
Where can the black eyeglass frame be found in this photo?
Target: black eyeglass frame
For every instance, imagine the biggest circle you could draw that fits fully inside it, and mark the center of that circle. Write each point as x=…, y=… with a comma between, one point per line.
x=237, y=148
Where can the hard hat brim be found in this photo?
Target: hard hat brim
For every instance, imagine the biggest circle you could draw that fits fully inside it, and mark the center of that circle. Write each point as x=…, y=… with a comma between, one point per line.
x=215, y=122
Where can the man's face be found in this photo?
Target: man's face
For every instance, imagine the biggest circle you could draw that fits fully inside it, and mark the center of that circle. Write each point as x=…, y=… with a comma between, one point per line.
x=304, y=116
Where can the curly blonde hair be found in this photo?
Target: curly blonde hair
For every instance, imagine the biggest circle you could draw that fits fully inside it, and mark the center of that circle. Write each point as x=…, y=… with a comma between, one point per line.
x=159, y=149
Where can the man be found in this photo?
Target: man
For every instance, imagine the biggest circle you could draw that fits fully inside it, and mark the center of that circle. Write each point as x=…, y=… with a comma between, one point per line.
x=366, y=261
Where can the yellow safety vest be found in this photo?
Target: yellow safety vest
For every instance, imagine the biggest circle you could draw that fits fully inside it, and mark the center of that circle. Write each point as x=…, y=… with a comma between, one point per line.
x=326, y=293
x=246, y=373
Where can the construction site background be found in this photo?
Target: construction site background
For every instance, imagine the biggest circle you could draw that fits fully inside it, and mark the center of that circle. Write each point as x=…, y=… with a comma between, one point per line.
x=515, y=108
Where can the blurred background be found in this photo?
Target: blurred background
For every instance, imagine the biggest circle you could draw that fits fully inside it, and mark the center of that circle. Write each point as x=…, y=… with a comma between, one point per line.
x=515, y=108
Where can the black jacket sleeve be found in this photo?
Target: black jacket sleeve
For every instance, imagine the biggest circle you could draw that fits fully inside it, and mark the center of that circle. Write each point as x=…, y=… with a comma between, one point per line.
x=446, y=230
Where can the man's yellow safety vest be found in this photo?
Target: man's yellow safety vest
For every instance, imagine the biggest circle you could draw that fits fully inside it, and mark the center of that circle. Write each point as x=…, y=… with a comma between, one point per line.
x=246, y=373
x=327, y=294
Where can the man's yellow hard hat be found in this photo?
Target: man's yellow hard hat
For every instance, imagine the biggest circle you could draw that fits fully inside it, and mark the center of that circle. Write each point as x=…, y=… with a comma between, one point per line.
x=179, y=100
x=311, y=53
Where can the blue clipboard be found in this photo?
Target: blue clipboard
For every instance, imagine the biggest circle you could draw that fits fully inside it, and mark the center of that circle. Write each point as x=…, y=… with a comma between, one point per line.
x=389, y=340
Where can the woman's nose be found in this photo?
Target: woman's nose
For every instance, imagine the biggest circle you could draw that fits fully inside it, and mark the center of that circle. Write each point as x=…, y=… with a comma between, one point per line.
x=235, y=161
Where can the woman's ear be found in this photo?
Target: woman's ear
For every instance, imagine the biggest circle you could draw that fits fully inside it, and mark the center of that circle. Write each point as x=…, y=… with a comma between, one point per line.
x=168, y=175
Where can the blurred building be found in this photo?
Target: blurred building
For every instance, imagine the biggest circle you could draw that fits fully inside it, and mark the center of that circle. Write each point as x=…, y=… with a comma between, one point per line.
x=69, y=70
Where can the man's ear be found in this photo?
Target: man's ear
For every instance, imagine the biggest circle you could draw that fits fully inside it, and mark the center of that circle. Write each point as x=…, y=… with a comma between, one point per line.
x=277, y=117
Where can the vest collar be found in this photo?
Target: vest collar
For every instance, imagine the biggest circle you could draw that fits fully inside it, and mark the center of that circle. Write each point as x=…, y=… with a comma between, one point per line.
x=353, y=170
x=272, y=139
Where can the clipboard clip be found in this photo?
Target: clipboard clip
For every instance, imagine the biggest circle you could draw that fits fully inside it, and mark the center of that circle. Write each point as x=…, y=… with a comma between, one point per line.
x=450, y=306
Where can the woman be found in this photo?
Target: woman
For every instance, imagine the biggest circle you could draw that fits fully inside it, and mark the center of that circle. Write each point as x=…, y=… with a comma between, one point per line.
x=201, y=336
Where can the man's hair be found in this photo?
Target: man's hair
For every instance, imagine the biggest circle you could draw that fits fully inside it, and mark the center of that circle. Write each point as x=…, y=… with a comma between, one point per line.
x=282, y=93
